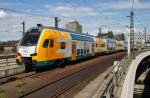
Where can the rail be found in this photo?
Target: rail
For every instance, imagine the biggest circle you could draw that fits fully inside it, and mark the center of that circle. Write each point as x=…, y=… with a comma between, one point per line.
x=113, y=82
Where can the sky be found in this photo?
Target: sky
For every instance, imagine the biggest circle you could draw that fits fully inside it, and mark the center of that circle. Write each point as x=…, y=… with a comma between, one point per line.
x=92, y=14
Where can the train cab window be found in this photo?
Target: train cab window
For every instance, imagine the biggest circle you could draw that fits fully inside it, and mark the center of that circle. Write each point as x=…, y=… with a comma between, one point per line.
x=51, y=42
x=62, y=45
x=46, y=42
x=31, y=37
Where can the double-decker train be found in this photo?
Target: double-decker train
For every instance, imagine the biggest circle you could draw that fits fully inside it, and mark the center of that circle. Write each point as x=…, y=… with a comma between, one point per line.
x=50, y=46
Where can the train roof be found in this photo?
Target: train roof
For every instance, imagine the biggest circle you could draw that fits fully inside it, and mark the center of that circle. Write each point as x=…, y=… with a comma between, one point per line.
x=74, y=35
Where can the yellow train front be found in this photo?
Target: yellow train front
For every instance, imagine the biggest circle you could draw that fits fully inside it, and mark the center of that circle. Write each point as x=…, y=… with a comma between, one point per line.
x=101, y=46
x=139, y=45
x=46, y=46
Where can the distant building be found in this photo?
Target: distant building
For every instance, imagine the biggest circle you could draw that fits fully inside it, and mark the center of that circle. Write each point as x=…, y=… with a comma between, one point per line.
x=11, y=46
x=74, y=26
x=140, y=37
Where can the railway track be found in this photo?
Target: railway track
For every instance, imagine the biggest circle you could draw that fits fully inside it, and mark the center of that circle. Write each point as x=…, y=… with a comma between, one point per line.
x=24, y=75
x=55, y=83
x=8, y=78
x=15, y=77
x=65, y=79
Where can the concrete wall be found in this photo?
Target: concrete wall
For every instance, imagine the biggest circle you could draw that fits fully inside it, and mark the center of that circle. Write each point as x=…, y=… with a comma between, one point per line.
x=128, y=86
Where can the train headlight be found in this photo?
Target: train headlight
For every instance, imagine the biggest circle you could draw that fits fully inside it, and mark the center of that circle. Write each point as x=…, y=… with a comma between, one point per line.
x=18, y=54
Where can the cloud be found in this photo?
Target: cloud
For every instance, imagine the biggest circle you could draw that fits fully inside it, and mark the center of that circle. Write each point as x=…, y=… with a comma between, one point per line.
x=71, y=11
x=10, y=27
x=2, y=14
x=125, y=5
x=14, y=4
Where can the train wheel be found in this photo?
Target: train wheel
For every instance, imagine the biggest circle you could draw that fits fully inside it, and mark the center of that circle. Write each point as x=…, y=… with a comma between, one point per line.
x=28, y=67
x=61, y=63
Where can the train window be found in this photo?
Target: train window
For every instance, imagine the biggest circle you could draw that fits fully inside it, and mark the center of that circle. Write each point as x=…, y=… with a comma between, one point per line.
x=78, y=51
x=96, y=45
x=81, y=51
x=87, y=50
x=62, y=45
x=103, y=45
x=51, y=43
x=45, y=44
x=84, y=51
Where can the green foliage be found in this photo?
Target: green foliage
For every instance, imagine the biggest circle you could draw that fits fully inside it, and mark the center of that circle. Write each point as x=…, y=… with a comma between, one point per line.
x=110, y=34
x=19, y=87
x=1, y=44
x=2, y=93
x=140, y=82
x=3, y=96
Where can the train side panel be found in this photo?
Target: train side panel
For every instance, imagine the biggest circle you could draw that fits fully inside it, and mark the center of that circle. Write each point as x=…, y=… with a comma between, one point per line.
x=85, y=45
x=110, y=45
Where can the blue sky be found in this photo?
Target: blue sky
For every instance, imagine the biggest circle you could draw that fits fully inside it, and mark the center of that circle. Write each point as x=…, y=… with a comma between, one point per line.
x=92, y=14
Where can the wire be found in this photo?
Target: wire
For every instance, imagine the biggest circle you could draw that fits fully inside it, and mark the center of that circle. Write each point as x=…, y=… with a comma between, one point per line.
x=80, y=9
x=139, y=21
x=91, y=15
x=15, y=11
x=96, y=9
x=132, y=4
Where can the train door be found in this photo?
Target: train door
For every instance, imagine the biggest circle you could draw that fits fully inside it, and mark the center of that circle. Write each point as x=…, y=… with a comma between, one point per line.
x=51, y=48
x=74, y=56
x=44, y=48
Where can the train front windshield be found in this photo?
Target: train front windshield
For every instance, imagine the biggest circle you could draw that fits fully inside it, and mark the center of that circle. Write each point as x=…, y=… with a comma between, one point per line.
x=31, y=38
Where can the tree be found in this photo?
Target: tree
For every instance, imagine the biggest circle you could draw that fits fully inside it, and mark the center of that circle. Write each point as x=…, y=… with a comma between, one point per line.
x=1, y=46
x=110, y=34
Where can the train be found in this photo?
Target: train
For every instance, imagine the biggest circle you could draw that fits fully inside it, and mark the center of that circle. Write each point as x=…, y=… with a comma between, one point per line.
x=51, y=46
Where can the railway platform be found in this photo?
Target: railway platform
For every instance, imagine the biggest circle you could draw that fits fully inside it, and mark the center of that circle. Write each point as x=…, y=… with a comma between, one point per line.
x=10, y=70
x=9, y=67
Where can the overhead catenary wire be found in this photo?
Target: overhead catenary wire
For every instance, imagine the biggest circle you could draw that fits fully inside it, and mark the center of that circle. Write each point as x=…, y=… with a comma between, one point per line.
x=93, y=17
x=22, y=12
x=132, y=4
x=73, y=5
x=137, y=20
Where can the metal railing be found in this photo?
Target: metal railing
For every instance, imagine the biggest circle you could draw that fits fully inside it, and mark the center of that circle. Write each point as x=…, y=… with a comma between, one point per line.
x=4, y=54
x=7, y=62
x=112, y=84
x=7, y=59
